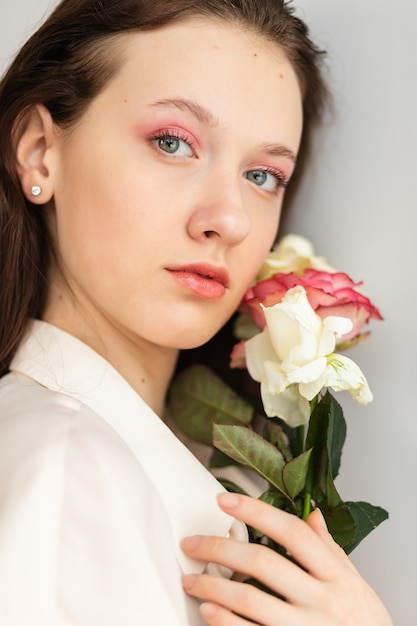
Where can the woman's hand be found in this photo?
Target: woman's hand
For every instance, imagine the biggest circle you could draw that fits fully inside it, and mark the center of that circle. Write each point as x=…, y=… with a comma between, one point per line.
x=329, y=593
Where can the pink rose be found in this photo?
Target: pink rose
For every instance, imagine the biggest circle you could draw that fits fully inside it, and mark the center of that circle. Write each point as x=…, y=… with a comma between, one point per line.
x=237, y=356
x=328, y=293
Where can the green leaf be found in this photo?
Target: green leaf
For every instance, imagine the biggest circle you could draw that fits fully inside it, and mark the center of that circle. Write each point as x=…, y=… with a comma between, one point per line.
x=229, y=485
x=366, y=518
x=251, y=450
x=341, y=525
x=351, y=522
x=198, y=398
x=218, y=459
x=294, y=474
x=326, y=435
x=274, y=498
x=245, y=327
x=274, y=434
x=332, y=495
x=317, y=441
x=336, y=433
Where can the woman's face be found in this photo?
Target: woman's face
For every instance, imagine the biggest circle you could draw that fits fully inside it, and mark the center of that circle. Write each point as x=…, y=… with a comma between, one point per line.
x=168, y=192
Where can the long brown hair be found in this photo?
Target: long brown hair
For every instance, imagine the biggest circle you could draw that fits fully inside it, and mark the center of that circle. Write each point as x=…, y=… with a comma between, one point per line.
x=63, y=66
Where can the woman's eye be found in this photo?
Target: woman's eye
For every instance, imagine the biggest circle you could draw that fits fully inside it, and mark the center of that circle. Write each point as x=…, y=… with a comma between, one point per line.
x=173, y=145
x=270, y=181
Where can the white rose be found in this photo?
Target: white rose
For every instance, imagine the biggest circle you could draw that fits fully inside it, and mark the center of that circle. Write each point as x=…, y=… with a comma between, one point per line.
x=293, y=253
x=293, y=359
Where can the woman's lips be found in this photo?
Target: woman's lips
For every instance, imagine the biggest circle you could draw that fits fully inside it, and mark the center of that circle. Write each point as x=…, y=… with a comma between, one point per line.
x=204, y=281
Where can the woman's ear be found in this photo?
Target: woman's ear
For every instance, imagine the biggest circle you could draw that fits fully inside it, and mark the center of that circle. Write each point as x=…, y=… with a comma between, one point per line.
x=36, y=138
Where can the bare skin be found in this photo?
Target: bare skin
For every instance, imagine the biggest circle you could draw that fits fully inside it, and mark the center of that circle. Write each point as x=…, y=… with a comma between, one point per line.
x=187, y=191
x=329, y=592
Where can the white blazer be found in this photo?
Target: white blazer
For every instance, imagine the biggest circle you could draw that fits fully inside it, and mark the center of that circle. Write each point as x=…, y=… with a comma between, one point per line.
x=96, y=493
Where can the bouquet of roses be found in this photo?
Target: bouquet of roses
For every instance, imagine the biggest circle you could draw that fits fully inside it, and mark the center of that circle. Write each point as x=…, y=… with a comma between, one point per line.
x=293, y=323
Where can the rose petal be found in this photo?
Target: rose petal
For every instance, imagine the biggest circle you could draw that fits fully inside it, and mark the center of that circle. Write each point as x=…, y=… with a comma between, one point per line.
x=289, y=405
x=258, y=351
x=294, y=328
x=333, y=327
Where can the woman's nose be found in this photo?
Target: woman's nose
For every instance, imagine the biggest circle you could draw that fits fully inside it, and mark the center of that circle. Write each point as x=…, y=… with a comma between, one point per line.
x=220, y=212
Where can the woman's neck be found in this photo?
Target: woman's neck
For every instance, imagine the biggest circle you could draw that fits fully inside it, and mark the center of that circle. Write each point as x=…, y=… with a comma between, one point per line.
x=148, y=368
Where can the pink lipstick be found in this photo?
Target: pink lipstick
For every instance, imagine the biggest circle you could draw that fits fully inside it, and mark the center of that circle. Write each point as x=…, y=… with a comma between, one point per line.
x=205, y=281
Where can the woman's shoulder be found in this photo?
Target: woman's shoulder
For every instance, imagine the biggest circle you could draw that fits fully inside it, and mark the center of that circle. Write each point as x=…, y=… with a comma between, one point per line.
x=52, y=443
x=38, y=424
x=22, y=398
x=25, y=405
x=73, y=498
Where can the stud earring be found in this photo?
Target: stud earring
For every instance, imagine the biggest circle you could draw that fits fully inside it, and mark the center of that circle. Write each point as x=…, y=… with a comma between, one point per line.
x=36, y=190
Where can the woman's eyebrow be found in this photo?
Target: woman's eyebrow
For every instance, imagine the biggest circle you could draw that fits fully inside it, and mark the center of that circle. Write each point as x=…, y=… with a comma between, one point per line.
x=208, y=119
x=278, y=149
x=201, y=113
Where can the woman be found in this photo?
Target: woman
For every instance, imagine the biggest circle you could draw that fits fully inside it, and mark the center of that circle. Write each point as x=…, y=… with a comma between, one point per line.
x=146, y=147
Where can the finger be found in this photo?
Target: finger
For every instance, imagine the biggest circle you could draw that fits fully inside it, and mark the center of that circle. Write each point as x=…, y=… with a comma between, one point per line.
x=245, y=601
x=305, y=545
x=317, y=523
x=216, y=615
x=256, y=561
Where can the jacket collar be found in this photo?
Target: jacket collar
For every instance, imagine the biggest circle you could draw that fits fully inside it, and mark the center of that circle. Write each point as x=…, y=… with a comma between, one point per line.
x=62, y=363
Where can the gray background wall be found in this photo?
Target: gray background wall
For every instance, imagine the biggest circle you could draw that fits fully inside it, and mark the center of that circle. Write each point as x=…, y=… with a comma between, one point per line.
x=358, y=204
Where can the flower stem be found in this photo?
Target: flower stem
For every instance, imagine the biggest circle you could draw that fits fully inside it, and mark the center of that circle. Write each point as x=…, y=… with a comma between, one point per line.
x=307, y=506
x=314, y=402
x=301, y=437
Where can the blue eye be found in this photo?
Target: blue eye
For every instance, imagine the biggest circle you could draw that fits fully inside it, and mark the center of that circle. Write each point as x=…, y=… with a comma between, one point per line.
x=270, y=180
x=170, y=144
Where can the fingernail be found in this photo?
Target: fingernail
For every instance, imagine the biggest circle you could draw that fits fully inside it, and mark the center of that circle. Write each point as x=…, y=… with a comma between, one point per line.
x=188, y=581
x=228, y=500
x=191, y=543
x=208, y=610
x=321, y=518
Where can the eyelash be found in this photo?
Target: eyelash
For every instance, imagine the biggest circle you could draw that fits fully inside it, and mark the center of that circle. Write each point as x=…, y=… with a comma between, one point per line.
x=176, y=134
x=280, y=177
